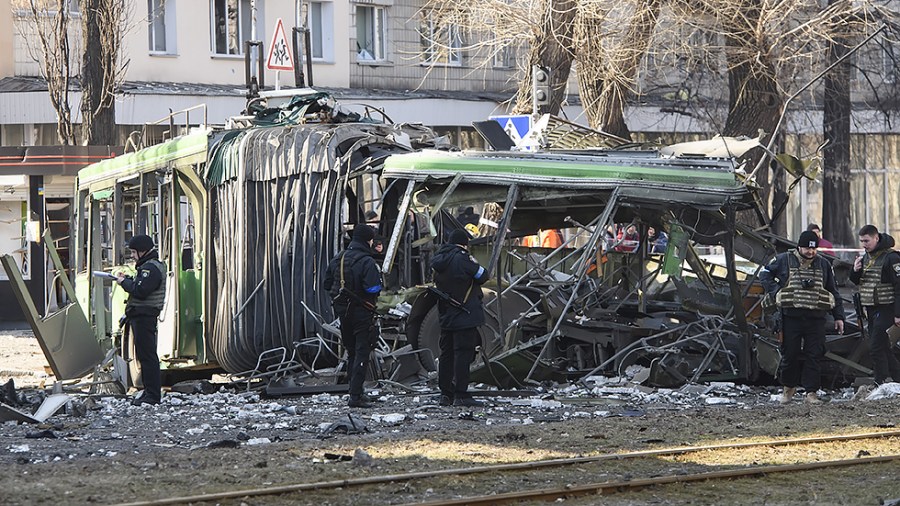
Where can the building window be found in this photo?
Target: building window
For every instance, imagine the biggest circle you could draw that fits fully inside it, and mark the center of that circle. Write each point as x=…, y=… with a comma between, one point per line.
x=230, y=26
x=441, y=42
x=504, y=57
x=321, y=30
x=161, y=25
x=370, y=33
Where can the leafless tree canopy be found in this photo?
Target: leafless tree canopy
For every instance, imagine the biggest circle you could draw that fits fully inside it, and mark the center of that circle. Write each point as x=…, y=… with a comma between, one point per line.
x=47, y=43
x=760, y=51
x=89, y=50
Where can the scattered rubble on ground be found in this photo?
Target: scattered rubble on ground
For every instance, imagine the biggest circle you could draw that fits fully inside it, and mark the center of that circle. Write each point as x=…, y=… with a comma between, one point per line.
x=91, y=426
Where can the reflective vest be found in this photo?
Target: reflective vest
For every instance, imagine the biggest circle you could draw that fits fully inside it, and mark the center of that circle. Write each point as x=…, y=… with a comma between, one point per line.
x=872, y=292
x=805, y=287
x=157, y=298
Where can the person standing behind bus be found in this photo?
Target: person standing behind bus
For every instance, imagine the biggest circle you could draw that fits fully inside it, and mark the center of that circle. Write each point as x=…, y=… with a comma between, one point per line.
x=825, y=246
x=877, y=274
x=146, y=297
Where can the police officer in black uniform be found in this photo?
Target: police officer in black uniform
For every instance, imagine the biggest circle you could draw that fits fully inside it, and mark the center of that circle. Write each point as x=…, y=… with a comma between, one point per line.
x=354, y=282
x=146, y=297
x=458, y=275
x=877, y=274
x=802, y=284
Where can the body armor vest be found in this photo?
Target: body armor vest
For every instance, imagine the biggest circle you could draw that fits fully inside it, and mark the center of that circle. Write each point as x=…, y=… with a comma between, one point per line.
x=805, y=287
x=872, y=292
x=157, y=298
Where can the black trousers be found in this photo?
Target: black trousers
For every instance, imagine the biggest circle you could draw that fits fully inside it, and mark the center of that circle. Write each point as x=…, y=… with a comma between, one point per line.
x=143, y=332
x=880, y=319
x=457, y=354
x=802, y=349
x=358, y=335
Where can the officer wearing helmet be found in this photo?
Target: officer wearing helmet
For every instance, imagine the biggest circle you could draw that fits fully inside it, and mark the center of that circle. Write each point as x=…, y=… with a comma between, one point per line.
x=146, y=296
x=801, y=283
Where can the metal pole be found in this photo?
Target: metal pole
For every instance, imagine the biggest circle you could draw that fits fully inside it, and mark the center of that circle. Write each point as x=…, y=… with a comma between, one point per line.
x=581, y=270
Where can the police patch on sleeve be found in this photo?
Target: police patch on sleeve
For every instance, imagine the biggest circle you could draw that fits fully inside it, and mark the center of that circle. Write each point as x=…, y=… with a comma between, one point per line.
x=897, y=270
x=145, y=274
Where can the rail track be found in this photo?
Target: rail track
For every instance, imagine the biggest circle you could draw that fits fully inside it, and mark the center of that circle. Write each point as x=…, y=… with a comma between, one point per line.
x=567, y=490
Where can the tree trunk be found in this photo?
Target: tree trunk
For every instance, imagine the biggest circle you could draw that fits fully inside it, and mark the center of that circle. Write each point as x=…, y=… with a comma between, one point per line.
x=98, y=71
x=587, y=58
x=836, y=164
x=754, y=103
x=606, y=90
x=552, y=49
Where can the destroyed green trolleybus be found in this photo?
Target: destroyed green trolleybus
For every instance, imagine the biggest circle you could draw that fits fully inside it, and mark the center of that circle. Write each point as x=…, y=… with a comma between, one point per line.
x=247, y=218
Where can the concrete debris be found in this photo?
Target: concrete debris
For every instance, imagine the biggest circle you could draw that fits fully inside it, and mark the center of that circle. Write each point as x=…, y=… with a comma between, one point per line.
x=362, y=458
x=389, y=419
x=225, y=419
x=195, y=387
x=41, y=434
x=884, y=391
x=51, y=404
x=352, y=424
x=719, y=400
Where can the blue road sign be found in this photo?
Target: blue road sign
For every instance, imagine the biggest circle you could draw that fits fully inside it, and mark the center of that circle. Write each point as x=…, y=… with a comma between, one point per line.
x=517, y=127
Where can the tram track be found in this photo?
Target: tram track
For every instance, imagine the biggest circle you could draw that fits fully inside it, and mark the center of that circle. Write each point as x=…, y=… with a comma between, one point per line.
x=568, y=490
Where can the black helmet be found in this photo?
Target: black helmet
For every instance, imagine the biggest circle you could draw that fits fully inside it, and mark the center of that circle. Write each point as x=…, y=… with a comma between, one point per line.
x=141, y=243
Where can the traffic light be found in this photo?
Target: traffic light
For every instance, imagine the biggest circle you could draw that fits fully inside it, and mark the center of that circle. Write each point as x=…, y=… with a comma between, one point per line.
x=540, y=86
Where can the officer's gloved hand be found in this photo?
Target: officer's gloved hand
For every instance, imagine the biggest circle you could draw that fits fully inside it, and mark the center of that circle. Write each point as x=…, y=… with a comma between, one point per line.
x=768, y=304
x=775, y=322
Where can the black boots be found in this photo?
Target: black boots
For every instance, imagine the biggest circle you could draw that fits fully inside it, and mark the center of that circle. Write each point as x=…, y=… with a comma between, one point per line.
x=468, y=402
x=360, y=402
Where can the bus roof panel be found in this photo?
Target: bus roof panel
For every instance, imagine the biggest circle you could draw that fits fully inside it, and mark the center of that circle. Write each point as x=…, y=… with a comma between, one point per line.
x=600, y=171
x=185, y=150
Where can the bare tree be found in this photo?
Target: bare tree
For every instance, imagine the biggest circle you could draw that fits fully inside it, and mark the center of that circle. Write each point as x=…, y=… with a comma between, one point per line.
x=544, y=27
x=608, y=59
x=836, y=160
x=46, y=36
x=102, y=68
x=551, y=47
x=55, y=42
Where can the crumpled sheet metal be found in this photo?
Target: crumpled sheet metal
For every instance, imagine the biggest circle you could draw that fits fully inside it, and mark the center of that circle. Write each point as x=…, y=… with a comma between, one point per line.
x=276, y=197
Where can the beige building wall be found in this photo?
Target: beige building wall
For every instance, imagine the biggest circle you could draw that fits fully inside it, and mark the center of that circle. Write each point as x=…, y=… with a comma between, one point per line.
x=7, y=52
x=192, y=60
x=403, y=67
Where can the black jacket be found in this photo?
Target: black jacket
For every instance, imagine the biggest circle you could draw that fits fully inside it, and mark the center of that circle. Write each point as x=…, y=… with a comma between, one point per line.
x=361, y=275
x=890, y=271
x=775, y=275
x=457, y=273
x=145, y=283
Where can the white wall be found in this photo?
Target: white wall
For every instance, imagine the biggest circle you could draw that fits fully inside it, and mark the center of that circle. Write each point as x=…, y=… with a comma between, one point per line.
x=7, y=55
x=193, y=60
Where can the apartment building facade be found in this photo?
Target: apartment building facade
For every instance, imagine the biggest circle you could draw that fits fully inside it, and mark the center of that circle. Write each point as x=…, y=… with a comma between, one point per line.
x=184, y=52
